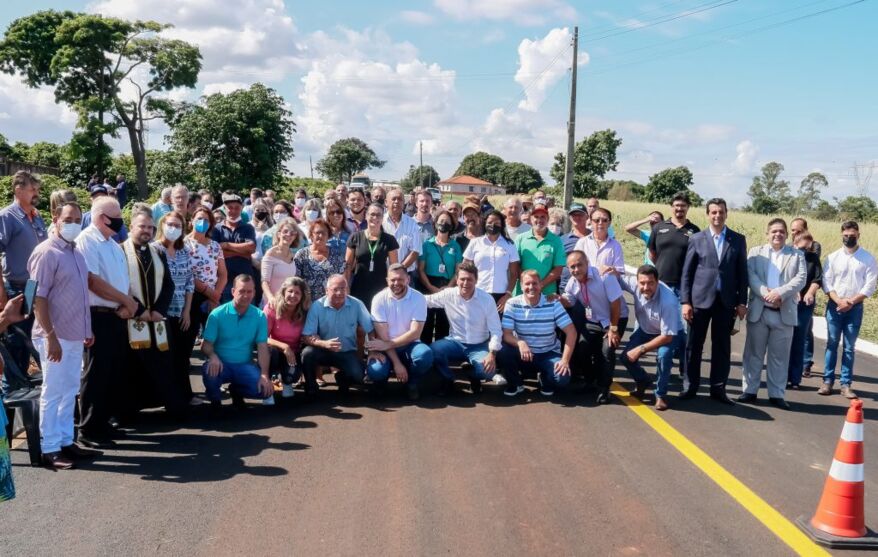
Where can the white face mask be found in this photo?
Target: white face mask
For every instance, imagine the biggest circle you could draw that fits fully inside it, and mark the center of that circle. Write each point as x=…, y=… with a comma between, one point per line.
x=312, y=215
x=70, y=230
x=280, y=216
x=233, y=220
x=300, y=202
x=555, y=229
x=207, y=204
x=172, y=232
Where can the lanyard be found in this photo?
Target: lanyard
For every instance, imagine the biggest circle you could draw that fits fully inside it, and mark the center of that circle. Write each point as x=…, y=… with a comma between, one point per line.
x=439, y=252
x=583, y=293
x=372, y=247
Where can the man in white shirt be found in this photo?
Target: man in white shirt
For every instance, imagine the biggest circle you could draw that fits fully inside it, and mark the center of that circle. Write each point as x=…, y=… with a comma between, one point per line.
x=404, y=229
x=398, y=314
x=475, y=337
x=514, y=225
x=849, y=277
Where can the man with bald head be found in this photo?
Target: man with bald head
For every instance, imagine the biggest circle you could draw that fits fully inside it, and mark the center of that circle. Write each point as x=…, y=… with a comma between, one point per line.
x=111, y=306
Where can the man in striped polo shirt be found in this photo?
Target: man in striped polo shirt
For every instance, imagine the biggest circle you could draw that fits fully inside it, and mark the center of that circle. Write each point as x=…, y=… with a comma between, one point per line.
x=530, y=342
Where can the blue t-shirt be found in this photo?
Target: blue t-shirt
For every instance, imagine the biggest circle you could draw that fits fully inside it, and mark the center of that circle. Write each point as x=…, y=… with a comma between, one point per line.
x=327, y=322
x=235, y=336
x=236, y=265
x=644, y=235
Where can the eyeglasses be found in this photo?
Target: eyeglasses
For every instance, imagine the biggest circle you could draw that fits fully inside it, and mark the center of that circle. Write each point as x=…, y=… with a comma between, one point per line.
x=600, y=220
x=336, y=212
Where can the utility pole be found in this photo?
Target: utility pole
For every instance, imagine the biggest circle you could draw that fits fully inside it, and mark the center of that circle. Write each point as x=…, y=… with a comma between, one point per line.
x=421, y=167
x=571, y=128
x=312, y=166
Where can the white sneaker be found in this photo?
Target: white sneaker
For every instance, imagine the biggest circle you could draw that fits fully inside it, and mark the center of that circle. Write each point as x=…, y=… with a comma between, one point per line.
x=498, y=380
x=288, y=391
x=268, y=401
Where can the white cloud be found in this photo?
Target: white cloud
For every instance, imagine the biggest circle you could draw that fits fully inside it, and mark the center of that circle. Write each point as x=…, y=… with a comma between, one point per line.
x=745, y=159
x=31, y=114
x=522, y=12
x=416, y=17
x=225, y=87
x=541, y=63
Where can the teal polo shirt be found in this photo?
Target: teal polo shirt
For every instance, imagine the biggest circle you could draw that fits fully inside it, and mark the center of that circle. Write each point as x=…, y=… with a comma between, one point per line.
x=327, y=323
x=433, y=255
x=235, y=336
x=540, y=255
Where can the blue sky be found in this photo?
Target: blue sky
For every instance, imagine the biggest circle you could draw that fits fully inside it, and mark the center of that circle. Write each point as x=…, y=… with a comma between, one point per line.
x=722, y=87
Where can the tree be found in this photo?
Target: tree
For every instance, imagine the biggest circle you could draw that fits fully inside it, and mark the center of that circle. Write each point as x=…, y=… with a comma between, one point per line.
x=824, y=210
x=166, y=168
x=87, y=58
x=236, y=141
x=518, y=177
x=481, y=165
x=593, y=157
x=82, y=157
x=347, y=157
x=809, y=192
x=662, y=185
x=768, y=193
x=623, y=190
x=43, y=153
x=860, y=208
x=419, y=177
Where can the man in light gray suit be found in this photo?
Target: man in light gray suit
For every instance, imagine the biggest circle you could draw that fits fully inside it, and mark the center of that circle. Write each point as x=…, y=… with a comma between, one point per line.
x=776, y=273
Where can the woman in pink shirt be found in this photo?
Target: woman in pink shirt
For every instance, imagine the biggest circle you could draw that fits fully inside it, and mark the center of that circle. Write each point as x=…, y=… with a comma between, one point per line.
x=286, y=318
x=277, y=263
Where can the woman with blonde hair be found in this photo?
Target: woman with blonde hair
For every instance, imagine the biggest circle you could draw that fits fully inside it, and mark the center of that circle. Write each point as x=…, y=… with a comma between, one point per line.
x=278, y=264
x=339, y=234
x=286, y=319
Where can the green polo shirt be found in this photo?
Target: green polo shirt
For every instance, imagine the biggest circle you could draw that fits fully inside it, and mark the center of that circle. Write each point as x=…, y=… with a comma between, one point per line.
x=541, y=256
x=434, y=255
x=235, y=336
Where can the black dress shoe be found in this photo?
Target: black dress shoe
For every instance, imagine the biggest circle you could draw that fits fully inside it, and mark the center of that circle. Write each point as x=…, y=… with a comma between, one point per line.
x=747, y=397
x=475, y=385
x=721, y=396
x=75, y=452
x=686, y=395
x=603, y=397
x=412, y=392
x=780, y=403
x=96, y=442
x=446, y=388
x=57, y=461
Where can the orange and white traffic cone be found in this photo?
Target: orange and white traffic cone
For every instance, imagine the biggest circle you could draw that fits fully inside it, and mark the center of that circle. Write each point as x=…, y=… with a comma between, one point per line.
x=840, y=517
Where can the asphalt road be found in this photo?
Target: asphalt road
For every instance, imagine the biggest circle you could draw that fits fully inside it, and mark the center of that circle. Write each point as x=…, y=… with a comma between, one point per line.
x=468, y=475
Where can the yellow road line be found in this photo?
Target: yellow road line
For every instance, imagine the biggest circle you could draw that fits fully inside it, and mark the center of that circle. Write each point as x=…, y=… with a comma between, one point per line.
x=788, y=532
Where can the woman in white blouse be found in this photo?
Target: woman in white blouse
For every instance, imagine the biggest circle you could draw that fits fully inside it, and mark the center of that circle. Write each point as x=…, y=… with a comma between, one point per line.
x=496, y=258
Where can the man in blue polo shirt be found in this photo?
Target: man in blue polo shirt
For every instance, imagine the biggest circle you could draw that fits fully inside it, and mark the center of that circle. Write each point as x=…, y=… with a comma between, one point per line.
x=529, y=339
x=232, y=331
x=330, y=336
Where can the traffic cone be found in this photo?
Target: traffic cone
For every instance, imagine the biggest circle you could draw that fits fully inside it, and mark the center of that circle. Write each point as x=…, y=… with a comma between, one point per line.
x=839, y=520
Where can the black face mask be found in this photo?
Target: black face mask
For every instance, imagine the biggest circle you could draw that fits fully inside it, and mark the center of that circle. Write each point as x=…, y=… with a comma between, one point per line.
x=445, y=228
x=261, y=215
x=849, y=241
x=493, y=229
x=115, y=223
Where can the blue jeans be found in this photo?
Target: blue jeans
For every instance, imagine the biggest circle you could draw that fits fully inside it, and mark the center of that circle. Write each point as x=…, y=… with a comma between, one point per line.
x=543, y=364
x=243, y=379
x=846, y=327
x=664, y=360
x=798, y=353
x=416, y=357
x=447, y=351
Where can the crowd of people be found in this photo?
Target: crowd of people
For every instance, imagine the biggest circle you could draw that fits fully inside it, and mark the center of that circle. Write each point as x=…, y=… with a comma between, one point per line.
x=380, y=284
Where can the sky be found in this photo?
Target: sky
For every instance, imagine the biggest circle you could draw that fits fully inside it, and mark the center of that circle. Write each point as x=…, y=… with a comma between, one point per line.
x=720, y=86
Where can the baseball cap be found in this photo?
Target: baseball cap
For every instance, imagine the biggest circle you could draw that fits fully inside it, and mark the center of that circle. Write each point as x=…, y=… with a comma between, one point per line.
x=470, y=206
x=539, y=209
x=232, y=198
x=97, y=189
x=575, y=208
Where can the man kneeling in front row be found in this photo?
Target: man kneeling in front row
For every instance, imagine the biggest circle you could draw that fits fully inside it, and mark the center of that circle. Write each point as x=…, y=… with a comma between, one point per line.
x=232, y=331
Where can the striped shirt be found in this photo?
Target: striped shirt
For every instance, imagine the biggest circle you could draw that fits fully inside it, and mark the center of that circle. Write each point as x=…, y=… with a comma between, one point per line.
x=536, y=324
x=182, y=275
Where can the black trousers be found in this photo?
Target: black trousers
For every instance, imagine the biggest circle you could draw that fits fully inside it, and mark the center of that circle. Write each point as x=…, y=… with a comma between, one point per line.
x=436, y=326
x=279, y=366
x=152, y=381
x=595, y=356
x=102, y=383
x=720, y=319
x=182, y=343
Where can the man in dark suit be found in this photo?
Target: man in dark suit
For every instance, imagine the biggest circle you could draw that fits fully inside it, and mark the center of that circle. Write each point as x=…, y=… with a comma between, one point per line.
x=713, y=291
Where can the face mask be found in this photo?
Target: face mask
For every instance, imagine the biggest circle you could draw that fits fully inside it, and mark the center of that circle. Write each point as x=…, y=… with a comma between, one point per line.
x=172, y=232
x=115, y=223
x=445, y=228
x=300, y=202
x=201, y=225
x=555, y=229
x=493, y=229
x=233, y=220
x=849, y=241
x=70, y=230
x=207, y=204
x=280, y=216
x=312, y=215
x=261, y=215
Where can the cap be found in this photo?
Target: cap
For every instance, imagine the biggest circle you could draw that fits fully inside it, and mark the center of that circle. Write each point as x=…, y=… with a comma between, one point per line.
x=576, y=208
x=469, y=206
x=539, y=209
x=232, y=198
x=97, y=189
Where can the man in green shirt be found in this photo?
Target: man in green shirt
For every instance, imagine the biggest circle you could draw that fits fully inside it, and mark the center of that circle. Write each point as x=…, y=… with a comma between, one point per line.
x=542, y=251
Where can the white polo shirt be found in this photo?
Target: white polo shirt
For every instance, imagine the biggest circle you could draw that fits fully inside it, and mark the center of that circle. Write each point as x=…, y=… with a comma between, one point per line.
x=399, y=313
x=407, y=235
x=104, y=258
x=492, y=259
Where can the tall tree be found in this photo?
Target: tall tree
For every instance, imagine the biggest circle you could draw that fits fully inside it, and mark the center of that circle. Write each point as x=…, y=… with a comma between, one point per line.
x=664, y=184
x=419, y=177
x=518, y=177
x=809, y=192
x=769, y=193
x=236, y=141
x=860, y=208
x=481, y=165
x=593, y=157
x=88, y=58
x=347, y=157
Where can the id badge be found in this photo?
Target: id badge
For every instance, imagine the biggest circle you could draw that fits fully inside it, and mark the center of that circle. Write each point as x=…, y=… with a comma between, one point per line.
x=588, y=313
x=442, y=268
x=371, y=265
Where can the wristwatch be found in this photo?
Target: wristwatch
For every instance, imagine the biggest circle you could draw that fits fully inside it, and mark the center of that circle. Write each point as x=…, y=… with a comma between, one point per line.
x=614, y=328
